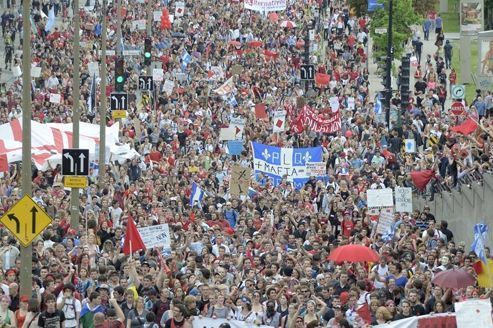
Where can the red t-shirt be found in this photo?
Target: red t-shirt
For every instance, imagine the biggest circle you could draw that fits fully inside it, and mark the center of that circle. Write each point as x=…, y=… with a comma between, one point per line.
x=347, y=227
x=110, y=324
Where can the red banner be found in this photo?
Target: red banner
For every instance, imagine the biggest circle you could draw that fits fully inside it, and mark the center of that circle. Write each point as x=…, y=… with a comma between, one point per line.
x=317, y=123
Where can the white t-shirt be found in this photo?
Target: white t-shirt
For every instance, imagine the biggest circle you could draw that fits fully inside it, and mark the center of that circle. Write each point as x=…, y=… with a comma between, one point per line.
x=70, y=309
x=382, y=271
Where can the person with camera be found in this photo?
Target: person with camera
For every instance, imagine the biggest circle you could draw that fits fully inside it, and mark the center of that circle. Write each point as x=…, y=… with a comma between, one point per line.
x=70, y=306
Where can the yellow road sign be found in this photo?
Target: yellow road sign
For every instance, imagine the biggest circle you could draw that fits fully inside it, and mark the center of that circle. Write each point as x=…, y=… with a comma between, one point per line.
x=74, y=182
x=26, y=220
x=119, y=114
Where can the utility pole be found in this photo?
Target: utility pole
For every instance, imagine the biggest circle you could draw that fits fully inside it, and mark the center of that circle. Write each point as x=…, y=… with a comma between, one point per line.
x=388, y=82
x=103, y=104
x=307, y=55
x=74, y=194
x=26, y=274
x=119, y=36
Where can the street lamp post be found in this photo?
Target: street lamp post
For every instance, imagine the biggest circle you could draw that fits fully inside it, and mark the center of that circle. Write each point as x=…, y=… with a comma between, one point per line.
x=388, y=71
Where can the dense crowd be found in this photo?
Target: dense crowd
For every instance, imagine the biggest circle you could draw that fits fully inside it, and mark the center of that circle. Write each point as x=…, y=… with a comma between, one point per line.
x=261, y=258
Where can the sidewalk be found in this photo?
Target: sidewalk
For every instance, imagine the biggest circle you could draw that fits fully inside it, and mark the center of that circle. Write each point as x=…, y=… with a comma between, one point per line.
x=429, y=48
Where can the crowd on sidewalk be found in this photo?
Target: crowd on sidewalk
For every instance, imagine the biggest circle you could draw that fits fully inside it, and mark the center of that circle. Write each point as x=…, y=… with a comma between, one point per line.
x=259, y=258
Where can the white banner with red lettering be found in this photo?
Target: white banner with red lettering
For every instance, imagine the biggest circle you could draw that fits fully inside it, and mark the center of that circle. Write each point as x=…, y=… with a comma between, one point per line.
x=318, y=122
x=265, y=5
x=201, y=322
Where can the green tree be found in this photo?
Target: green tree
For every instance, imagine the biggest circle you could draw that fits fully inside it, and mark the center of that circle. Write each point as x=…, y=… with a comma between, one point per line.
x=404, y=17
x=360, y=7
x=422, y=7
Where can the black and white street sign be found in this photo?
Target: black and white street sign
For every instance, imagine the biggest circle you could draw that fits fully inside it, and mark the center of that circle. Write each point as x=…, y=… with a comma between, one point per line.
x=307, y=72
x=146, y=83
x=119, y=101
x=75, y=162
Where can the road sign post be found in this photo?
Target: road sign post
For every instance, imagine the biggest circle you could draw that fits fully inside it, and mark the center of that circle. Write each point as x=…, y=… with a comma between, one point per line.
x=307, y=72
x=458, y=91
x=26, y=274
x=119, y=104
x=26, y=220
x=146, y=83
x=75, y=167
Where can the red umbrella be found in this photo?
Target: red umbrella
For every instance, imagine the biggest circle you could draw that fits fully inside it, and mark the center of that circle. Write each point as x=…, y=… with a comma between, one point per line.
x=255, y=44
x=353, y=253
x=288, y=24
x=454, y=278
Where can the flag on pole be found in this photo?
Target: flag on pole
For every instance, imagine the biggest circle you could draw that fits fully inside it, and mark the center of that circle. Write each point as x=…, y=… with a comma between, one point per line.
x=133, y=242
x=421, y=178
x=378, y=105
x=185, y=60
x=480, y=236
x=466, y=128
x=91, y=100
x=196, y=196
x=50, y=24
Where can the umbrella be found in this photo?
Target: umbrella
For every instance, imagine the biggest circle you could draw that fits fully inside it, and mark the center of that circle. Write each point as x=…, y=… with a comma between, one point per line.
x=288, y=24
x=353, y=253
x=273, y=17
x=454, y=278
x=235, y=43
x=255, y=44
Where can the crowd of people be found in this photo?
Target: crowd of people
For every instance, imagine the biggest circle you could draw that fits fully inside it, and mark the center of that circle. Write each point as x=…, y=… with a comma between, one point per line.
x=259, y=258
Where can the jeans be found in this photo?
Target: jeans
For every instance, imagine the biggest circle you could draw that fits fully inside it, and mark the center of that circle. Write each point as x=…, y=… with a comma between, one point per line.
x=448, y=61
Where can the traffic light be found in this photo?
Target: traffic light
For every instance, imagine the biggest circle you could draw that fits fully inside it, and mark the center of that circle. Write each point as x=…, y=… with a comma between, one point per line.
x=119, y=74
x=405, y=81
x=147, y=51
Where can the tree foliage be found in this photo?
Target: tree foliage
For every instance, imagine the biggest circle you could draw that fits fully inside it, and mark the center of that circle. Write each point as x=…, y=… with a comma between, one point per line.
x=360, y=7
x=422, y=7
x=404, y=17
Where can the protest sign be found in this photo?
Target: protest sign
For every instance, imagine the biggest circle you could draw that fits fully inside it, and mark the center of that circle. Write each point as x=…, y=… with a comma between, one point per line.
x=278, y=121
x=278, y=162
x=240, y=180
x=235, y=147
x=385, y=220
x=226, y=134
x=265, y=5
x=380, y=197
x=93, y=68
x=319, y=123
x=316, y=168
x=158, y=75
x=55, y=98
x=473, y=313
x=403, y=199
x=168, y=87
x=155, y=236
x=334, y=104
x=139, y=25
x=35, y=72
x=237, y=124
x=203, y=322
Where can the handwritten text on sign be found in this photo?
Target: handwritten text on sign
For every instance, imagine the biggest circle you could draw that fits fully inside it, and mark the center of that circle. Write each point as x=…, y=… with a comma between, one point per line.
x=155, y=236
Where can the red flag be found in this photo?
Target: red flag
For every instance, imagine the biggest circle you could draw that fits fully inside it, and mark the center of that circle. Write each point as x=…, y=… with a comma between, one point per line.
x=133, y=241
x=466, y=128
x=297, y=125
x=364, y=313
x=322, y=79
x=421, y=178
x=165, y=21
x=4, y=163
x=478, y=267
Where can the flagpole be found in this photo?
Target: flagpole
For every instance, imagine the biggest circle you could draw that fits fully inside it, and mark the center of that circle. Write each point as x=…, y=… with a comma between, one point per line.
x=103, y=106
x=74, y=193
